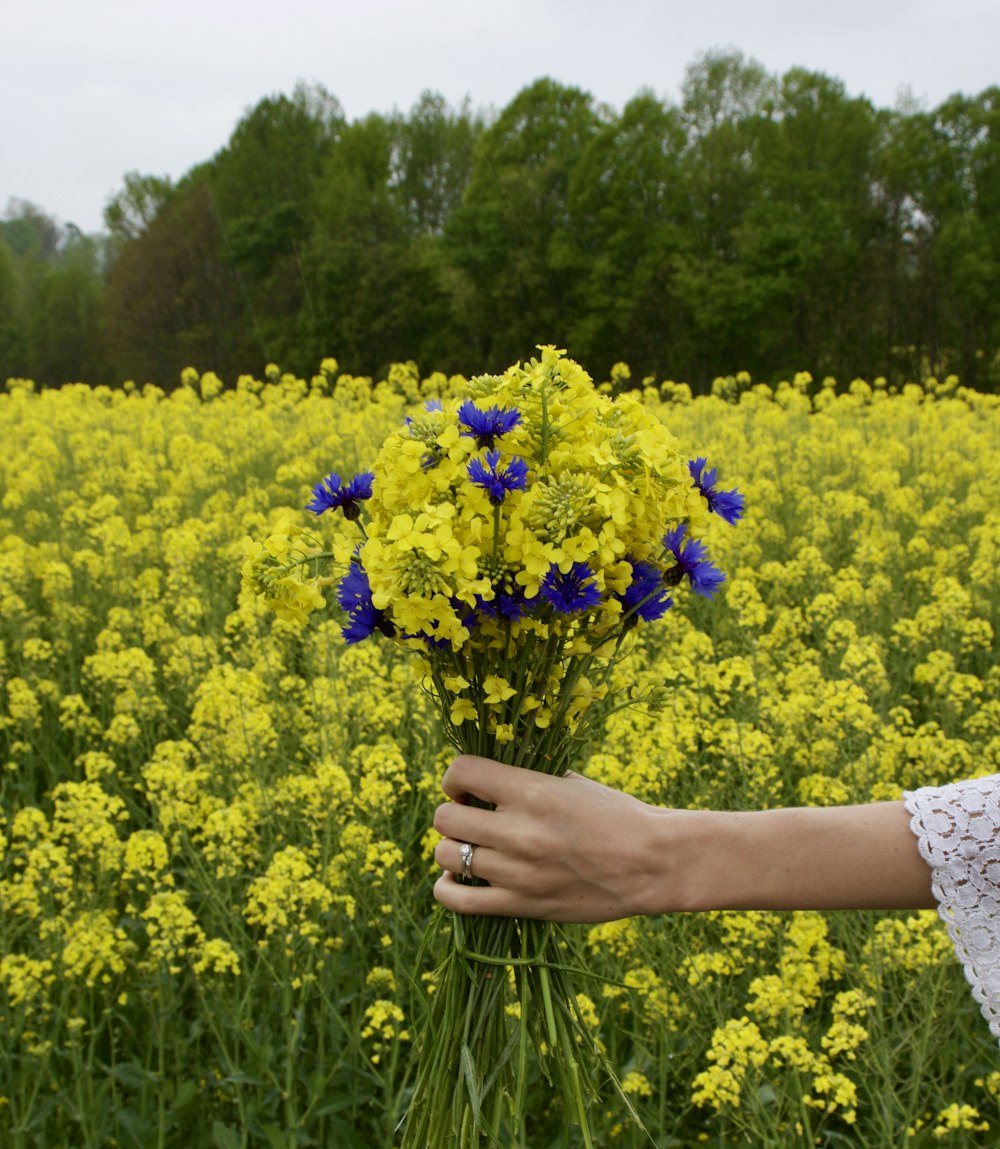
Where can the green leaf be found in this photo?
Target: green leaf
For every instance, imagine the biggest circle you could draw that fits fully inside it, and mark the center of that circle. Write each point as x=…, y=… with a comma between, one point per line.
x=225, y=1136
x=471, y=1080
x=131, y=1075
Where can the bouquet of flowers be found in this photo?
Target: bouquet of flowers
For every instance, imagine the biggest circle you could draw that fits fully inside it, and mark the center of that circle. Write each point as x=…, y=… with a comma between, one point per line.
x=515, y=539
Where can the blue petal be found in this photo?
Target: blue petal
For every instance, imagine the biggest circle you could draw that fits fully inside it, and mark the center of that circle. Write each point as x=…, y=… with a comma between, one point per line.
x=706, y=578
x=727, y=505
x=571, y=592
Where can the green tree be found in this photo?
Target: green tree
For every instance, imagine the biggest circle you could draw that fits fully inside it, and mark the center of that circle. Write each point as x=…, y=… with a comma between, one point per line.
x=804, y=241
x=50, y=289
x=275, y=153
x=63, y=316
x=360, y=254
x=509, y=246
x=763, y=222
x=262, y=186
x=432, y=165
x=432, y=161
x=727, y=103
x=29, y=232
x=959, y=198
x=13, y=360
x=128, y=213
x=172, y=301
x=628, y=211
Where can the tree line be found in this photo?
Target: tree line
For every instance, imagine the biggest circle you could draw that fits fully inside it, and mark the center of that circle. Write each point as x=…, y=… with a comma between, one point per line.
x=761, y=222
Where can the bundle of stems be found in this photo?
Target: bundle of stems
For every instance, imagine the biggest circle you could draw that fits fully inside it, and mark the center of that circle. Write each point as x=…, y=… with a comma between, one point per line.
x=504, y=997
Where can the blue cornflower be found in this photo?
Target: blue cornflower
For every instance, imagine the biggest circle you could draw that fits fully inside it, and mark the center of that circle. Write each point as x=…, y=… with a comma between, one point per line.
x=498, y=484
x=355, y=597
x=509, y=607
x=645, y=596
x=705, y=576
x=571, y=592
x=727, y=505
x=354, y=590
x=487, y=426
x=330, y=493
x=363, y=622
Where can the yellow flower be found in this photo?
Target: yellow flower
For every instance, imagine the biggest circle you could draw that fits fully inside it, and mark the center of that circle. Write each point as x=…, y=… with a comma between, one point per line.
x=956, y=1118
x=462, y=710
x=635, y=1082
x=497, y=689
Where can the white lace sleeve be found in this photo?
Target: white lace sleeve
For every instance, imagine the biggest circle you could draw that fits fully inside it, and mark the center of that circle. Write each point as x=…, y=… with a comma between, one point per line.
x=958, y=829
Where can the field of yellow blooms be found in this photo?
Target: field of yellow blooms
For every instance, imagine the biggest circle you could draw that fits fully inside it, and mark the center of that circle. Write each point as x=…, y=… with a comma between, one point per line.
x=215, y=855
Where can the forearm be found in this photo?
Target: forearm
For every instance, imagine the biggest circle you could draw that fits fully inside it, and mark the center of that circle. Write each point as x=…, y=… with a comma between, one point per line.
x=848, y=857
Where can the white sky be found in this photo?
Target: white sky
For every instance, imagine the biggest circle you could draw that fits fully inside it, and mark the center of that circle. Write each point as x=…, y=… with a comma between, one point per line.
x=92, y=89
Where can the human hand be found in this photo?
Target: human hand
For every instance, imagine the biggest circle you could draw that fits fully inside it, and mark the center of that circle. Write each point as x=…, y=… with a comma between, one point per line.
x=562, y=849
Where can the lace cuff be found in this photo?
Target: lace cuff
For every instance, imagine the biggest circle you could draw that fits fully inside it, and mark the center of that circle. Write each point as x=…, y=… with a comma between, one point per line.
x=958, y=830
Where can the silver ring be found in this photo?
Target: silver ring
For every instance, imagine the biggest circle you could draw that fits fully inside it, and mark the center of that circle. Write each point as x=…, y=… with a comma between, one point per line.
x=465, y=852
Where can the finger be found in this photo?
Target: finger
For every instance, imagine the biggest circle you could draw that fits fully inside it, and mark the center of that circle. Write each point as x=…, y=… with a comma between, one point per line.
x=483, y=778
x=447, y=854
x=468, y=824
x=470, y=776
x=465, y=898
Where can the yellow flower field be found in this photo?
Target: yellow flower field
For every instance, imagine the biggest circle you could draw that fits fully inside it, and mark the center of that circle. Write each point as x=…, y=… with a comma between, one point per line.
x=215, y=855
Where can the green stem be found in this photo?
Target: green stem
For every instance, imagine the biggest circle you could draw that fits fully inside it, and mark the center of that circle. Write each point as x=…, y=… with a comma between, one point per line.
x=550, y=1020
x=544, y=447
x=524, y=1035
x=161, y=1131
x=291, y=1041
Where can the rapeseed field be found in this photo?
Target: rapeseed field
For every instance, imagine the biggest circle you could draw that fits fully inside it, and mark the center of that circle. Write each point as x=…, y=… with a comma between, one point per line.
x=215, y=844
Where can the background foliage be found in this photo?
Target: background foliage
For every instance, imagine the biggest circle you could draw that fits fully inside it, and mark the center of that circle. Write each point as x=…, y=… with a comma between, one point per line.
x=763, y=222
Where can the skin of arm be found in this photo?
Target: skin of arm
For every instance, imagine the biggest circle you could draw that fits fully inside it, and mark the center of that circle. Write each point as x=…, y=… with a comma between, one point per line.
x=570, y=849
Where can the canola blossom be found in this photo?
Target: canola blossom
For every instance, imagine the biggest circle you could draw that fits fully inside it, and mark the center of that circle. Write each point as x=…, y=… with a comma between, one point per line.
x=215, y=854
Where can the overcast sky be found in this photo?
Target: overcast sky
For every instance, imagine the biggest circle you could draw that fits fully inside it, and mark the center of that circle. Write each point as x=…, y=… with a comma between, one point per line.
x=92, y=89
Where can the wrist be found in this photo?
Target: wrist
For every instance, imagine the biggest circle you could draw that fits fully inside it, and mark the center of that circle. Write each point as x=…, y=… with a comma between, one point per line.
x=690, y=855
x=715, y=860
